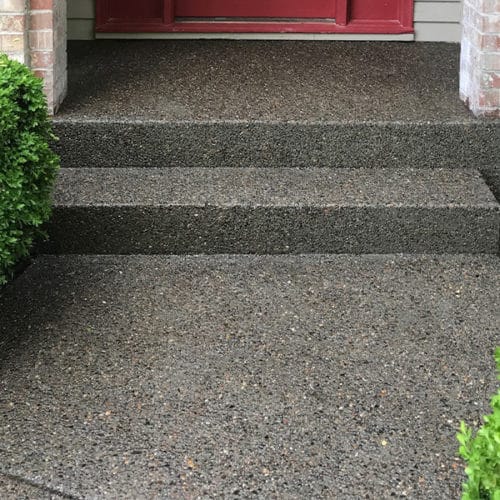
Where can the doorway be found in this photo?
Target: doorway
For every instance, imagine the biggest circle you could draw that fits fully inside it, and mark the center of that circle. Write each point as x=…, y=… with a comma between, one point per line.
x=255, y=16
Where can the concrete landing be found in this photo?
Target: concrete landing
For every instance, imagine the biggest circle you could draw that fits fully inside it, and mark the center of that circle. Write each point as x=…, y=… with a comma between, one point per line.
x=275, y=377
x=270, y=81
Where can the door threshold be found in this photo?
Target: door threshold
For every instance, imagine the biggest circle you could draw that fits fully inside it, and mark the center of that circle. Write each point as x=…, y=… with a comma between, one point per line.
x=375, y=37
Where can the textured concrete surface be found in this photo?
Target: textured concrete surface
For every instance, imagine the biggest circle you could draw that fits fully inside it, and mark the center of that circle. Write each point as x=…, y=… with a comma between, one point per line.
x=266, y=104
x=116, y=143
x=272, y=377
x=270, y=211
x=492, y=177
x=221, y=80
x=12, y=487
x=274, y=187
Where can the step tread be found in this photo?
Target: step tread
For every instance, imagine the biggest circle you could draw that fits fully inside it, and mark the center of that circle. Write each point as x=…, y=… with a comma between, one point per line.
x=273, y=187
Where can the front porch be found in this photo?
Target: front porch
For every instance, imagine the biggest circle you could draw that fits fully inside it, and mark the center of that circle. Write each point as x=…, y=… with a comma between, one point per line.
x=273, y=81
x=202, y=103
x=35, y=32
x=292, y=375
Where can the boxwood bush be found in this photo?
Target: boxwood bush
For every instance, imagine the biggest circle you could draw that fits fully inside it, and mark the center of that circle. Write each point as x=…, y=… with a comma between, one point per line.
x=27, y=165
x=482, y=453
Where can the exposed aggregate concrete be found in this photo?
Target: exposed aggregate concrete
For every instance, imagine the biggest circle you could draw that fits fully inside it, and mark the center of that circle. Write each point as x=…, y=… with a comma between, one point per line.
x=252, y=81
x=274, y=187
x=273, y=210
x=246, y=376
x=271, y=104
x=21, y=489
x=239, y=377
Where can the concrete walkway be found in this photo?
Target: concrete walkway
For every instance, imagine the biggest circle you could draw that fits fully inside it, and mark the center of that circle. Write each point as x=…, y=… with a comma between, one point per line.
x=243, y=377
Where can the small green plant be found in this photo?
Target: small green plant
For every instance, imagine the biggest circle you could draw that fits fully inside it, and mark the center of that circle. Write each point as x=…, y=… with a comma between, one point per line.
x=482, y=453
x=28, y=167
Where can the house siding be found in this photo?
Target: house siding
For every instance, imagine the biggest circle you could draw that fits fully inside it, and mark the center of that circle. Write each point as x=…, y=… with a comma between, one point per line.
x=435, y=20
x=81, y=16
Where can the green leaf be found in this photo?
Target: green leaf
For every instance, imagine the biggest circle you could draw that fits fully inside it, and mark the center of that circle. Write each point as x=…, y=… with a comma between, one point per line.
x=482, y=453
x=28, y=167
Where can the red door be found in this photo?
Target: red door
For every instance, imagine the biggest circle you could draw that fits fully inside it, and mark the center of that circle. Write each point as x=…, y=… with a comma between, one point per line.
x=288, y=9
x=255, y=16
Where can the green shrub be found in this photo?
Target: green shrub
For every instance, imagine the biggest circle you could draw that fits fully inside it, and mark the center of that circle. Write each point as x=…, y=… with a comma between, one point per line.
x=482, y=453
x=27, y=165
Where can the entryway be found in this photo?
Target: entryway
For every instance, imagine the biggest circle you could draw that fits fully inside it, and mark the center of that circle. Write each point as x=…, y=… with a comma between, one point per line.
x=259, y=16
x=182, y=338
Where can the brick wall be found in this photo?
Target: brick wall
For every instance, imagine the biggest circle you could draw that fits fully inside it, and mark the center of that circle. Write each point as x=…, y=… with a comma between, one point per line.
x=480, y=57
x=13, y=29
x=47, y=43
x=34, y=32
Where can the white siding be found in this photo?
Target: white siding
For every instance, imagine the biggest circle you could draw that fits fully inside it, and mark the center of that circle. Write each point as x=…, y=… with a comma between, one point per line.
x=81, y=15
x=435, y=20
x=438, y=21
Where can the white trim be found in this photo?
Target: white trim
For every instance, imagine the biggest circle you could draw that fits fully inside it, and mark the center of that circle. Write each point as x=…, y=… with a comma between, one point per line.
x=405, y=37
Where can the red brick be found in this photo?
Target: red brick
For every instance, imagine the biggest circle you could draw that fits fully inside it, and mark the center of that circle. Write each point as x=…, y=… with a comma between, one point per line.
x=490, y=43
x=41, y=40
x=489, y=98
x=41, y=20
x=41, y=59
x=491, y=61
x=15, y=23
x=491, y=80
x=42, y=4
x=490, y=113
x=12, y=6
x=490, y=23
x=12, y=43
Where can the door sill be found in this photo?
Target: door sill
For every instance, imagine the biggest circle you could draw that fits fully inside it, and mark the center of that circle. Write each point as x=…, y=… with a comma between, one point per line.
x=326, y=27
x=404, y=37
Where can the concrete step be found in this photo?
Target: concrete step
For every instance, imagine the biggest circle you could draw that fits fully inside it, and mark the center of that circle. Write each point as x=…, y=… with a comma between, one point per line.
x=112, y=142
x=245, y=376
x=270, y=104
x=272, y=211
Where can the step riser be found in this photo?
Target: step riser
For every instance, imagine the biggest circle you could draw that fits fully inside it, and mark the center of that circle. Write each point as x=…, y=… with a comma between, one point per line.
x=114, y=144
x=241, y=230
